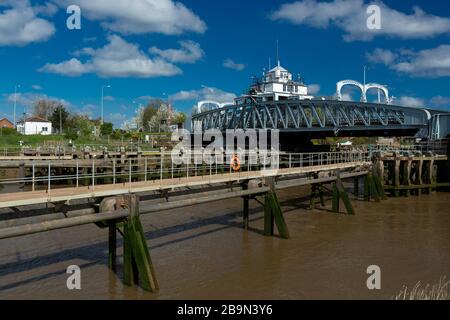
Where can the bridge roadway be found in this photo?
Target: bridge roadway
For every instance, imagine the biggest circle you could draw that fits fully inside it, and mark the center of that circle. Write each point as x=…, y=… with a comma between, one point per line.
x=68, y=194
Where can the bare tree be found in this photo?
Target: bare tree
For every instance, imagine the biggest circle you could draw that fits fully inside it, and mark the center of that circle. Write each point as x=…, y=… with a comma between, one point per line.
x=44, y=108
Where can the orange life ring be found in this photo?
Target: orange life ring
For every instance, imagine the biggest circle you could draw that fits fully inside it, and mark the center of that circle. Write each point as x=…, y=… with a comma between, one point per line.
x=235, y=163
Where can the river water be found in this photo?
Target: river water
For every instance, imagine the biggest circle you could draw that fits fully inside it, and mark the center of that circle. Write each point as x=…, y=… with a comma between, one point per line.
x=202, y=252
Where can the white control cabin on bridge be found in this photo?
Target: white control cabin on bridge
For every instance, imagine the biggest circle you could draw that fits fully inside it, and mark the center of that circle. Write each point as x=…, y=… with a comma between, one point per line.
x=275, y=85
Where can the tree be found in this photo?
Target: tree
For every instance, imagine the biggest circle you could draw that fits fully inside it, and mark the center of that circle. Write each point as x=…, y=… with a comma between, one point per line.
x=106, y=129
x=161, y=120
x=149, y=112
x=59, y=117
x=81, y=124
x=179, y=118
x=43, y=108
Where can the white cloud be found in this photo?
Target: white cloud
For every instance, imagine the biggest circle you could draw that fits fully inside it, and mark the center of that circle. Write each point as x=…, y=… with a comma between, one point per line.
x=116, y=118
x=118, y=58
x=29, y=98
x=109, y=98
x=20, y=24
x=347, y=97
x=71, y=68
x=205, y=93
x=36, y=87
x=145, y=98
x=440, y=101
x=429, y=63
x=230, y=64
x=408, y=101
x=351, y=17
x=313, y=89
x=89, y=109
x=140, y=16
x=189, y=52
x=381, y=56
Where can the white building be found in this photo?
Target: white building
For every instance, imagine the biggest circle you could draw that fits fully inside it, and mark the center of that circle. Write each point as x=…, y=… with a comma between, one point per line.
x=277, y=84
x=34, y=125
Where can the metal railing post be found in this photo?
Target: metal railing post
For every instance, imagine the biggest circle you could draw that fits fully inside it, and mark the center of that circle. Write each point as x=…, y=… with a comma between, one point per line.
x=114, y=171
x=33, y=177
x=161, y=155
x=289, y=162
x=93, y=174
x=48, y=183
x=129, y=172
x=145, y=169
x=77, y=170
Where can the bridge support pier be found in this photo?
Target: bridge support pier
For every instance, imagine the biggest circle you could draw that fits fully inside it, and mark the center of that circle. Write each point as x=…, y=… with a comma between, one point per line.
x=316, y=192
x=413, y=174
x=373, y=187
x=273, y=213
x=137, y=263
x=339, y=193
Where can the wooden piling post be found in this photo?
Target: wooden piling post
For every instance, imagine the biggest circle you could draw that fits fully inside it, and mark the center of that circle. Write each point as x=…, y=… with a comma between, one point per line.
x=279, y=218
x=137, y=262
x=128, y=275
x=112, y=245
x=321, y=193
x=429, y=174
x=367, y=187
x=268, y=217
x=356, y=187
x=246, y=207
x=273, y=213
x=335, y=200
x=396, y=177
x=339, y=193
x=109, y=205
x=407, y=175
x=419, y=173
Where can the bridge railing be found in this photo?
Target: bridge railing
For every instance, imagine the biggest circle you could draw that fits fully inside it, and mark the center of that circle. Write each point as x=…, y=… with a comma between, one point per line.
x=438, y=147
x=55, y=174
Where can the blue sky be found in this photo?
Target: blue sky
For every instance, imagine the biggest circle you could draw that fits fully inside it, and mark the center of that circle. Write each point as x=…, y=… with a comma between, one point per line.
x=191, y=50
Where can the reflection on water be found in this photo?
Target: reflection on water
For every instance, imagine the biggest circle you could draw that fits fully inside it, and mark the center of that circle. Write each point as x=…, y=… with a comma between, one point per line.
x=202, y=252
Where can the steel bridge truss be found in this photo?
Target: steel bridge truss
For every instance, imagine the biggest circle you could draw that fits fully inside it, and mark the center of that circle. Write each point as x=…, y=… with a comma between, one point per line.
x=311, y=115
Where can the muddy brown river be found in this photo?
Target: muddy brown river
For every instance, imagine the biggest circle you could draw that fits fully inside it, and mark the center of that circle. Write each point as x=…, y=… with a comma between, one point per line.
x=202, y=252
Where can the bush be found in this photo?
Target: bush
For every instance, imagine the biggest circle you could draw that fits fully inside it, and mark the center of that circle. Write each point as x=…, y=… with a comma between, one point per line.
x=9, y=132
x=106, y=129
x=71, y=134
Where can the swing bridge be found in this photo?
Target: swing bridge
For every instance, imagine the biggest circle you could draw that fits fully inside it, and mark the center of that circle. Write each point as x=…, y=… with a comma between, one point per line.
x=321, y=118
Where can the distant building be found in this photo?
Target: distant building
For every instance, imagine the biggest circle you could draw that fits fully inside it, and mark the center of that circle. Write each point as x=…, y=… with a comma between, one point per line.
x=383, y=141
x=34, y=125
x=5, y=123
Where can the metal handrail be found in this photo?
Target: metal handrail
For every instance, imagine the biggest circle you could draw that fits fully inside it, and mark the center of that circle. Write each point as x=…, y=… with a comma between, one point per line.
x=165, y=169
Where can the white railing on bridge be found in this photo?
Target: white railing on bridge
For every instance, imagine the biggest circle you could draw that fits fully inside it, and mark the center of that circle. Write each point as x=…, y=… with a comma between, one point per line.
x=160, y=167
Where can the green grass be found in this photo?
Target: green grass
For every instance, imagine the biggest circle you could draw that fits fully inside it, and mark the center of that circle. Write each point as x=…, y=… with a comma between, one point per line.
x=39, y=140
x=12, y=141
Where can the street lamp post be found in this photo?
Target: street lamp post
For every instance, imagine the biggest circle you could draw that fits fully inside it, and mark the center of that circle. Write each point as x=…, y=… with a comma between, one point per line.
x=103, y=87
x=137, y=114
x=60, y=121
x=15, y=102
